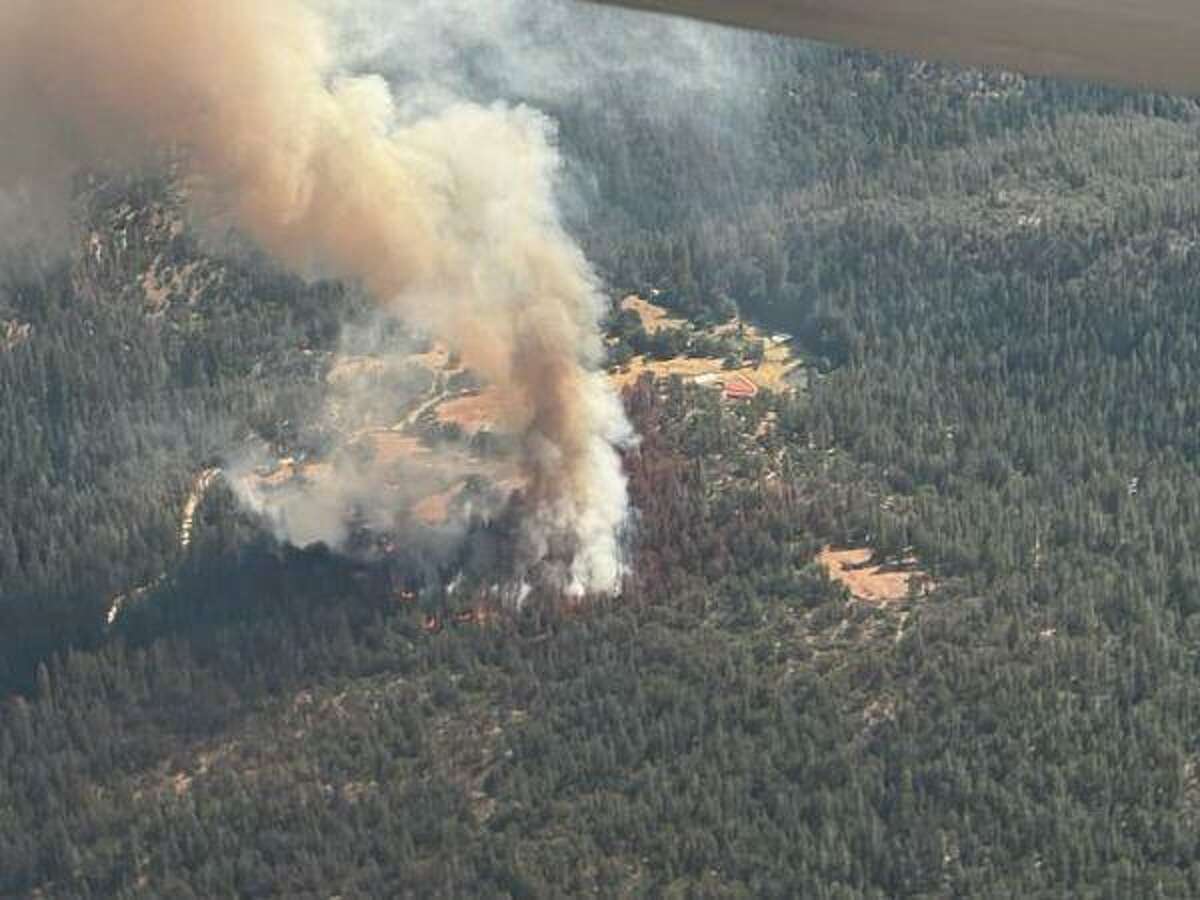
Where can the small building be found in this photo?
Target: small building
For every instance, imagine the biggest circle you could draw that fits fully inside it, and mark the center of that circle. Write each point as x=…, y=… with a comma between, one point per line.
x=739, y=387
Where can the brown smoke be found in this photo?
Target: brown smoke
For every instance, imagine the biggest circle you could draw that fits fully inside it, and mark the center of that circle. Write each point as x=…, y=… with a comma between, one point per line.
x=449, y=219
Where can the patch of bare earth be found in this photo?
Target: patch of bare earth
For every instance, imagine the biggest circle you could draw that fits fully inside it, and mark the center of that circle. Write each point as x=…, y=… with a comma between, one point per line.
x=163, y=283
x=709, y=371
x=654, y=317
x=474, y=412
x=391, y=447
x=435, y=509
x=1191, y=790
x=347, y=369
x=771, y=373
x=14, y=333
x=870, y=582
x=437, y=359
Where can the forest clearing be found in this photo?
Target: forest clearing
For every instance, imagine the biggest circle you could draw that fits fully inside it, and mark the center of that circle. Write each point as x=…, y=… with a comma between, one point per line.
x=873, y=583
x=654, y=317
x=473, y=413
x=428, y=480
x=770, y=372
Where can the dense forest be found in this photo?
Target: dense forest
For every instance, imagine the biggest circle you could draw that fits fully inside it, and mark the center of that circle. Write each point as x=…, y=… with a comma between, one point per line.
x=991, y=278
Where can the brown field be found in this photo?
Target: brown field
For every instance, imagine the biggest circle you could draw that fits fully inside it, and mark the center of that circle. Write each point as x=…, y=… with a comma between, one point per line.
x=777, y=364
x=872, y=584
x=435, y=509
x=771, y=373
x=654, y=318
x=687, y=368
x=474, y=412
x=349, y=368
x=392, y=446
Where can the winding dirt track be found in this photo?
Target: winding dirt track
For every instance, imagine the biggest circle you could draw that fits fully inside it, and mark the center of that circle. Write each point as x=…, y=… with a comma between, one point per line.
x=200, y=487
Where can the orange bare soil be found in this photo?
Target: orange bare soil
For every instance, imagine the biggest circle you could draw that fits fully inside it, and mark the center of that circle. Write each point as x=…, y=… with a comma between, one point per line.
x=289, y=469
x=435, y=509
x=872, y=584
x=346, y=369
x=474, y=412
x=391, y=446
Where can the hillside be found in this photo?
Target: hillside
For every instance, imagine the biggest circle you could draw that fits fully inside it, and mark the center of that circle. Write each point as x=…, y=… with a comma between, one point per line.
x=916, y=613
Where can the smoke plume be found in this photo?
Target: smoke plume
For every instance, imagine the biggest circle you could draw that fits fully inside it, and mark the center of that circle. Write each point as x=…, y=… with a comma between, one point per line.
x=550, y=52
x=448, y=219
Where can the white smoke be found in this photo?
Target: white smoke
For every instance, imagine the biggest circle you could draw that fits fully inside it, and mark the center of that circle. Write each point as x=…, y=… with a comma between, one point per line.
x=546, y=51
x=446, y=214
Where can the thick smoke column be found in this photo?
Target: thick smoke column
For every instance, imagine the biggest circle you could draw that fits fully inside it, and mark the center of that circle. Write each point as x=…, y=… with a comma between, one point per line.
x=449, y=219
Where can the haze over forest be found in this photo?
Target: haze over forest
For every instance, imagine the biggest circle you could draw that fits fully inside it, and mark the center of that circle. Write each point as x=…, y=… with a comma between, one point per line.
x=586, y=452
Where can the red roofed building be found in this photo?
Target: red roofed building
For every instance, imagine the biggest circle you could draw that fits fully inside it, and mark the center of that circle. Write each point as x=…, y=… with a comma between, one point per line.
x=739, y=387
